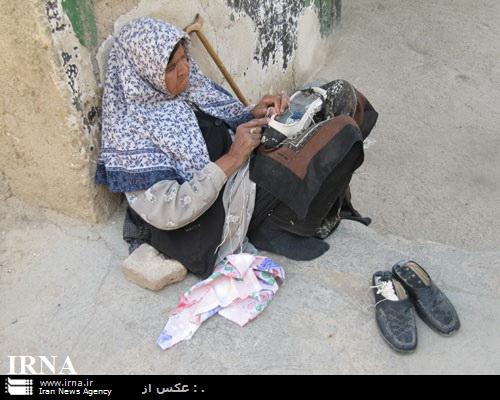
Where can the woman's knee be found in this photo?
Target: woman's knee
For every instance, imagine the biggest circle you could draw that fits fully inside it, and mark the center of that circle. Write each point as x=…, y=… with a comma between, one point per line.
x=341, y=98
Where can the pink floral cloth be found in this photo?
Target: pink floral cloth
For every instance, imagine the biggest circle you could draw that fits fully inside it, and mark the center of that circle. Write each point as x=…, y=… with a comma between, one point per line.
x=240, y=288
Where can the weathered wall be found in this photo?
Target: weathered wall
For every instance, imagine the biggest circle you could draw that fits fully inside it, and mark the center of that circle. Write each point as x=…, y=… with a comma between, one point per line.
x=266, y=45
x=46, y=149
x=53, y=68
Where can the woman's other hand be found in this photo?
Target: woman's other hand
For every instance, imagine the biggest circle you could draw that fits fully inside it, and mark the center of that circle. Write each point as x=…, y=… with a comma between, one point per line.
x=271, y=104
x=246, y=139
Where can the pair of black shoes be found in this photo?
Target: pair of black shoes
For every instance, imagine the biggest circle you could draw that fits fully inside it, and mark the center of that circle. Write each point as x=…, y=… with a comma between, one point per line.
x=397, y=292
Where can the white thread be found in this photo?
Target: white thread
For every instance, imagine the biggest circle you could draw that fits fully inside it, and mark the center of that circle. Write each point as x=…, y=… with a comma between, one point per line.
x=227, y=220
x=245, y=205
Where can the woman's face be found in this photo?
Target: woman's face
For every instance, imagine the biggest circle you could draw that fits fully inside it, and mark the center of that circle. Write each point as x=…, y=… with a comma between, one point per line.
x=177, y=72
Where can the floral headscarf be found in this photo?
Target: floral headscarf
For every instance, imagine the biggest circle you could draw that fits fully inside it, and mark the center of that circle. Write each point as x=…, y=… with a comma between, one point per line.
x=149, y=135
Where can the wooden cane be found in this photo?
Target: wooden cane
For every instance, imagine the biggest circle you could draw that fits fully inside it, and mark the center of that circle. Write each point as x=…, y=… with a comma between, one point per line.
x=196, y=27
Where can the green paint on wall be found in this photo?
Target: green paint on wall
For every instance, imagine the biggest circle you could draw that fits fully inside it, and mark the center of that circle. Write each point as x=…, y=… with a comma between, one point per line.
x=81, y=15
x=328, y=13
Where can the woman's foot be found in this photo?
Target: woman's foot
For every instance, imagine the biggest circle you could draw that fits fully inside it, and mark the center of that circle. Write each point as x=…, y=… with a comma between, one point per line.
x=271, y=238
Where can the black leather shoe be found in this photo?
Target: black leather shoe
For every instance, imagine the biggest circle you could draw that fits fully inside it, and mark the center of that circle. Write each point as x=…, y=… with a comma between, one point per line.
x=394, y=313
x=432, y=305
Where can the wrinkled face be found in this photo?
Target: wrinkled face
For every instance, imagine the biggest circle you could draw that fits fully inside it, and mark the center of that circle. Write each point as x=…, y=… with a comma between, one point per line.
x=177, y=72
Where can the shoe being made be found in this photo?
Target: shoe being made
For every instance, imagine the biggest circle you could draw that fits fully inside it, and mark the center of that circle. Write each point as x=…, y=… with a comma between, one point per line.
x=431, y=303
x=299, y=115
x=394, y=313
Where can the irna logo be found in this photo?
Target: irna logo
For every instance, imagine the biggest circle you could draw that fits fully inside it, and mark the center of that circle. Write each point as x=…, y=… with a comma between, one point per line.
x=40, y=365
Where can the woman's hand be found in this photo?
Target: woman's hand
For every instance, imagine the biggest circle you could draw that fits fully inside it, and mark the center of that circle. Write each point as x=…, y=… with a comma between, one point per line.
x=246, y=139
x=270, y=105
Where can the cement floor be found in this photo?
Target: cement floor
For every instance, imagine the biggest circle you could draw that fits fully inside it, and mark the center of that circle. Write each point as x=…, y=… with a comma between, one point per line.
x=430, y=182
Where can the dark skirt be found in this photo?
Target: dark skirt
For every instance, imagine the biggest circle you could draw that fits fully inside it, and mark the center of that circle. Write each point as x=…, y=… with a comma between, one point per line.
x=303, y=186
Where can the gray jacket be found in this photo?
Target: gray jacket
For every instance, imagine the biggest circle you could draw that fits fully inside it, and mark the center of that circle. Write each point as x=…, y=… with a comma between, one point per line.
x=168, y=205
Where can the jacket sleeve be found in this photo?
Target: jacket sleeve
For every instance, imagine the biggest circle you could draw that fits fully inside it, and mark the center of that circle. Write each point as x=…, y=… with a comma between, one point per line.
x=168, y=205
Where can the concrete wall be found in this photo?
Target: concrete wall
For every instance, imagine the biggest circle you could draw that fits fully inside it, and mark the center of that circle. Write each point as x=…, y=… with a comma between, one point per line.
x=48, y=112
x=53, y=64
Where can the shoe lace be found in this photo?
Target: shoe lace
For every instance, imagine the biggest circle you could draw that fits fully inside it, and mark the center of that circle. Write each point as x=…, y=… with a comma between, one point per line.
x=386, y=289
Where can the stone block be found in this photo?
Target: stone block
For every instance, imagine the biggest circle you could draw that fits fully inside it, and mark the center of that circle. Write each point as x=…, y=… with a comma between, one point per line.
x=149, y=269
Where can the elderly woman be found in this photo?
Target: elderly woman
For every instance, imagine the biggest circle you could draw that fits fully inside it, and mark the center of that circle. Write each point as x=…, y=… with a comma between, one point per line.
x=178, y=146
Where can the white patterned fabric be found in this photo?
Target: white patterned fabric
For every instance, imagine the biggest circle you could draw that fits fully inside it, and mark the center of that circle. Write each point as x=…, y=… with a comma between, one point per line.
x=148, y=135
x=240, y=288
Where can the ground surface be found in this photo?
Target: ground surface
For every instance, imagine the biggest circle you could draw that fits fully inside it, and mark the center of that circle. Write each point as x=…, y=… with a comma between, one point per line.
x=430, y=182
